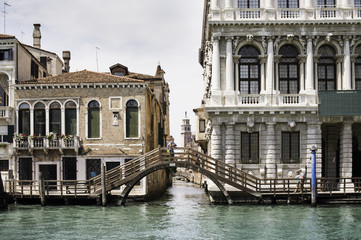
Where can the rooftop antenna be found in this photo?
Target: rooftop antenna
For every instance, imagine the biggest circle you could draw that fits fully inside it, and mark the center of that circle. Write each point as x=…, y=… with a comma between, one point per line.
x=5, y=4
x=96, y=55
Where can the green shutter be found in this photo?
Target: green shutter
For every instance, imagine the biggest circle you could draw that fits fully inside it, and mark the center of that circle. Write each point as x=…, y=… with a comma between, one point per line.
x=93, y=123
x=132, y=122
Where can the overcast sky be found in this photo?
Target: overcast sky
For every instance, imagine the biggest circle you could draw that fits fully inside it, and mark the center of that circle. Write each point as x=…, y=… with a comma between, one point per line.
x=135, y=33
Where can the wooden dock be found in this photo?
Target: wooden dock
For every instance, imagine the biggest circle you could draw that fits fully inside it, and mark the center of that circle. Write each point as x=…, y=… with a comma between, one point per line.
x=221, y=174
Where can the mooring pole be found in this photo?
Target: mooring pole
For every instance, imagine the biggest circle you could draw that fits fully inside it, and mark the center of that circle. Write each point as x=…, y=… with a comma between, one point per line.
x=104, y=197
x=42, y=189
x=313, y=177
x=3, y=202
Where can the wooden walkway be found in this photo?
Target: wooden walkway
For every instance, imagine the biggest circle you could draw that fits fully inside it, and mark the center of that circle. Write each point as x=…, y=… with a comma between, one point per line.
x=221, y=174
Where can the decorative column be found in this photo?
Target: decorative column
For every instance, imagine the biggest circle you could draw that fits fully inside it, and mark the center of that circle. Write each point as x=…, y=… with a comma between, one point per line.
x=308, y=4
x=236, y=60
x=229, y=3
x=270, y=67
x=230, y=158
x=277, y=82
x=314, y=137
x=214, y=4
x=31, y=121
x=47, y=122
x=346, y=65
x=310, y=89
x=353, y=60
x=216, y=142
x=271, y=151
x=216, y=66
x=302, y=60
x=229, y=67
x=339, y=60
x=346, y=150
x=263, y=60
x=315, y=59
x=62, y=120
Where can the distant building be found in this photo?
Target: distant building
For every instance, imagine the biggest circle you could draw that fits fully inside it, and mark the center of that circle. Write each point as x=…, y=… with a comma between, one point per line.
x=280, y=77
x=186, y=132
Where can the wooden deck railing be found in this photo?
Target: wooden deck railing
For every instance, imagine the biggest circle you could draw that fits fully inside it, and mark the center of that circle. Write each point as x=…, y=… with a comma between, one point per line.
x=221, y=171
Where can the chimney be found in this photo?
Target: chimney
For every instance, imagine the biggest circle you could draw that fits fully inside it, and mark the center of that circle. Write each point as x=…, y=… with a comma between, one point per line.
x=37, y=36
x=66, y=57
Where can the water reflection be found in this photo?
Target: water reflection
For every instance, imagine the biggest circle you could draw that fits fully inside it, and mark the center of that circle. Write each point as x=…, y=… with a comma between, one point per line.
x=183, y=213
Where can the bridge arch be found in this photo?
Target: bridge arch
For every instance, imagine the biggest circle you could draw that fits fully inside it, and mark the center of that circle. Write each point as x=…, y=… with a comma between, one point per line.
x=164, y=165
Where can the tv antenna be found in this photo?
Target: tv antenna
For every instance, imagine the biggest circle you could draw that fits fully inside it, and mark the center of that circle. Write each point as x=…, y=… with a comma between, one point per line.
x=96, y=55
x=5, y=4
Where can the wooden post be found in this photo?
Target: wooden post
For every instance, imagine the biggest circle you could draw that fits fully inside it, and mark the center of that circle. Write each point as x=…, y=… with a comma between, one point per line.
x=104, y=197
x=3, y=202
x=42, y=189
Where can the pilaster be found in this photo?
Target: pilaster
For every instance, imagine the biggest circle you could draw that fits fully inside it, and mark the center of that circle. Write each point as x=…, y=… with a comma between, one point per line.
x=271, y=151
x=230, y=153
x=309, y=84
x=216, y=144
x=346, y=65
x=270, y=67
x=314, y=137
x=346, y=150
x=216, y=66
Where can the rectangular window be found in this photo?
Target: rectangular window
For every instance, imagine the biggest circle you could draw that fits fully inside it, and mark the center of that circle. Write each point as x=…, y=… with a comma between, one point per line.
x=43, y=61
x=34, y=70
x=290, y=147
x=202, y=125
x=6, y=55
x=70, y=121
x=250, y=147
x=94, y=123
x=39, y=122
x=55, y=120
x=24, y=121
x=248, y=3
x=287, y=3
x=4, y=165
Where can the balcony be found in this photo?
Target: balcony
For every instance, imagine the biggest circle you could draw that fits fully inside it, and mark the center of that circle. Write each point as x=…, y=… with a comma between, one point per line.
x=43, y=143
x=263, y=101
x=5, y=112
x=320, y=13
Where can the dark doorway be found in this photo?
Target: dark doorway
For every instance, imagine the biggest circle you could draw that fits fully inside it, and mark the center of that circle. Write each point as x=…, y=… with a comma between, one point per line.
x=25, y=170
x=49, y=173
x=93, y=168
x=69, y=169
x=110, y=166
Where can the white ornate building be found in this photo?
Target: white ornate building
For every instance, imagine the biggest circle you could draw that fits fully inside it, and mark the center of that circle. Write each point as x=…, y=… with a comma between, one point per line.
x=281, y=76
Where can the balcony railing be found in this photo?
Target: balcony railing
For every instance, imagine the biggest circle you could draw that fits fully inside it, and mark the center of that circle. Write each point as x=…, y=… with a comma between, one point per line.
x=5, y=112
x=289, y=99
x=328, y=12
x=45, y=143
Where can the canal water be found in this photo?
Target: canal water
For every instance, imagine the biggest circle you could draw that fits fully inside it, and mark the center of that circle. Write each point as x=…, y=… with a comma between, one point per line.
x=183, y=213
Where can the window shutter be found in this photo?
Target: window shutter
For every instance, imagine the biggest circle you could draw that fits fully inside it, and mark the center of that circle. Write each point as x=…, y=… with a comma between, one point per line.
x=10, y=133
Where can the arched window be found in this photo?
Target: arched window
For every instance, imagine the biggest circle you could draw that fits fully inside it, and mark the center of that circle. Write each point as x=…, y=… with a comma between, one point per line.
x=39, y=119
x=248, y=3
x=358, y=68
x=55, y=118
x=249, y=71
x=132, y=119
x=288, y=4
x=326, y=68
x=24, y=118
x=70, y=118
x=288, y=70
x=326, y=3
x=93, y=119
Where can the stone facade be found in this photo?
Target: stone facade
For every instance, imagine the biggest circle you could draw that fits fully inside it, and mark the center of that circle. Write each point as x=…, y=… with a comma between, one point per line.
x=265, y=67
x=130, y=121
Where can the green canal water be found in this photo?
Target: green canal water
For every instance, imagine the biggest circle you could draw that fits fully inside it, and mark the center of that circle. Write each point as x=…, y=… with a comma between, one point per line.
x=183, y=213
